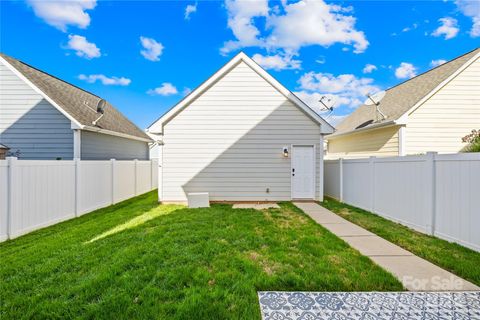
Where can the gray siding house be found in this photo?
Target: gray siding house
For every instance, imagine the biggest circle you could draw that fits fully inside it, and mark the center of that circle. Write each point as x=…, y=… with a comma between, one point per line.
x=45, y=118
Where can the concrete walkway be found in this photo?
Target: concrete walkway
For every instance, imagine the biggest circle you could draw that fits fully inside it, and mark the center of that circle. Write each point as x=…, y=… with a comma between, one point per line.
x=415, y=273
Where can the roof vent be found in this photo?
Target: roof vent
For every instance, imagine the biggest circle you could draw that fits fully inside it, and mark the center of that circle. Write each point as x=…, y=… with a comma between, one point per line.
x=366, y=123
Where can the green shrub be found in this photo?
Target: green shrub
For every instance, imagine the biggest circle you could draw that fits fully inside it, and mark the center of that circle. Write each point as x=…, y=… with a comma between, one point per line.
x=473, y=140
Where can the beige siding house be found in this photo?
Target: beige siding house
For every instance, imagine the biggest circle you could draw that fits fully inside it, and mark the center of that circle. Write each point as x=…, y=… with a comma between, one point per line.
x=430, y=112
x=240, y=136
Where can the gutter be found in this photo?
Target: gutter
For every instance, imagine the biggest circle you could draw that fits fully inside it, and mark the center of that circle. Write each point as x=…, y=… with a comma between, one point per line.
x=114, y=133
x=380, y=125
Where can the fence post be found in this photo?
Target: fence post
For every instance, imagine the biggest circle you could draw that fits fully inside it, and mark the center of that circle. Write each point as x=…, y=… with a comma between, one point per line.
x=135, y=163
x=431, y=172
x=151, y=174
x=10, y=194
x=340, y=175
x=77, y=186
x=372, y=183
x=112, y=161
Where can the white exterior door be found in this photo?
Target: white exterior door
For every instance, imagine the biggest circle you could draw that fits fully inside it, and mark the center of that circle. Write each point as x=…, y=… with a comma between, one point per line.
x=303, y=172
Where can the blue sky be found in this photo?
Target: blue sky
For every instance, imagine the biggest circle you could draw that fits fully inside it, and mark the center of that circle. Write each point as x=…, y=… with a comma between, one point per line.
x=144, y=56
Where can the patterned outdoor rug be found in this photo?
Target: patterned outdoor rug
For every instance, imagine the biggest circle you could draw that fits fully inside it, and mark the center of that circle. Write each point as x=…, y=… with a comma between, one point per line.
x=369, y=305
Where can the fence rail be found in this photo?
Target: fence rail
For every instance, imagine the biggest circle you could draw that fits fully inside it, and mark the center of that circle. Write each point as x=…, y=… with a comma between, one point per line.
x=434, y=193
x=38, y=193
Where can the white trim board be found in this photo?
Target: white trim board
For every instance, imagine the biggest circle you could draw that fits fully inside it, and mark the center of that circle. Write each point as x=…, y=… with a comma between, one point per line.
x=157, y=126
x=115, y=133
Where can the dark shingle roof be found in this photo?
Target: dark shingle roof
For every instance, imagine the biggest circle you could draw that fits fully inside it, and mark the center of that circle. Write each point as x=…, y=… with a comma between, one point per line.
x=77, y=102
x=400, y=98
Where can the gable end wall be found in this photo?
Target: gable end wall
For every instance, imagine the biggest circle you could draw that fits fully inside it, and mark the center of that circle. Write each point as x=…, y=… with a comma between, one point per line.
x=29, y=123
x=229, y=141
x=440, y=123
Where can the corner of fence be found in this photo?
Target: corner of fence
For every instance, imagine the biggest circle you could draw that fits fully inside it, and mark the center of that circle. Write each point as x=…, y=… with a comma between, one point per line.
x=431, y=183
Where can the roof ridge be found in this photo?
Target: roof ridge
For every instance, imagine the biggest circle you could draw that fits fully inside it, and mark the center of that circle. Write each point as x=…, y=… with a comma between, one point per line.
x=434, y=68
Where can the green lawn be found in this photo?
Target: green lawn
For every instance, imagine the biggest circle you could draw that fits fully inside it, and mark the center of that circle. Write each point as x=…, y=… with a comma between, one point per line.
x=141, y=260
x=450, y=256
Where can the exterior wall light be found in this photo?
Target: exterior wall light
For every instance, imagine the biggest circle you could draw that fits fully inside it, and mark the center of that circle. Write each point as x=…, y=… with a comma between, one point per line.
x=285, y=152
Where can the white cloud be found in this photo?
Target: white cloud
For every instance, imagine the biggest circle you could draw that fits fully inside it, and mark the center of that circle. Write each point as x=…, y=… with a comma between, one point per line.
x=405, y=70
x=186, y=91
x=189, y=9
x=61, y=14
x=321, y=60
x=369, y=68
x=297, y=25
x=241, y=16
x=345, y=89
x=448, y=28
x=108, y=81
x=436, y=63
x=152, y=49
x=407, y=29
x=166, y=89
x=82, y=47
x=471, y=9
x=277, y=62
x=314, y=23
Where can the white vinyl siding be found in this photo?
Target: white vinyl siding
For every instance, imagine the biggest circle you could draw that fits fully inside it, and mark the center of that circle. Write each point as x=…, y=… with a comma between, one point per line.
x=229, y=142
x=29, y=123
x=99, y=146
x=379, y=143
x=440, y=123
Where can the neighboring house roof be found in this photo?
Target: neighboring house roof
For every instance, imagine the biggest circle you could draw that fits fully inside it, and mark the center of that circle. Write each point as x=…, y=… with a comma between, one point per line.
x=75, y=103
x=157, y=126
x=405, y=96
x=2, y=146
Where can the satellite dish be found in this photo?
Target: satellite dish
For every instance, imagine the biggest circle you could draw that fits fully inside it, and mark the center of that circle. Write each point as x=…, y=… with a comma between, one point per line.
x=101, y=106
x=100, y=109
x=328, y=102
x=374, y=99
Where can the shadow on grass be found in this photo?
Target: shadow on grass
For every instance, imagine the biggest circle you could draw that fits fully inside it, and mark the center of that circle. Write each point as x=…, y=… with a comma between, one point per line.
x=151, y=261
x=85, y=227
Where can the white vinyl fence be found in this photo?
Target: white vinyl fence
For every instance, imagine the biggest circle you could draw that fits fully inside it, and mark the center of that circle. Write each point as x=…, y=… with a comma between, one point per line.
x=39, y=193
x=438, y=194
